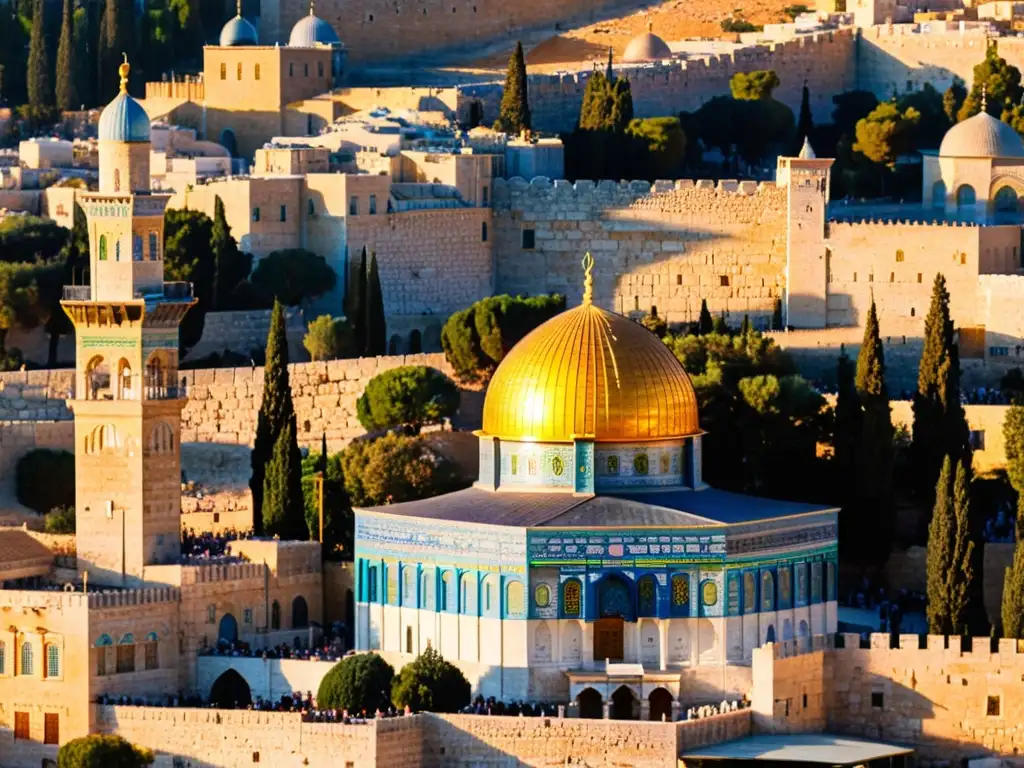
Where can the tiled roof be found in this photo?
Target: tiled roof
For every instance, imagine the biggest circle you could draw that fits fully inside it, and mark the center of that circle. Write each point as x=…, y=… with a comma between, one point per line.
x=19, y=551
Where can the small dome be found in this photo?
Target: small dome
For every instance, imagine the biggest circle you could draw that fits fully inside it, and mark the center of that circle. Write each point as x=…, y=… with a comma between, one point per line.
x=981, y=136
x=124, y=119
x=590, y=373
x=647, y=47
x=238, y=31
x=309, y=31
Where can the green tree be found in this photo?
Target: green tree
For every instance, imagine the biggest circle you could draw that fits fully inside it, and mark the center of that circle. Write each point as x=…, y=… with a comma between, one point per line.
x=13, y=55
x=777, y=315
x=949, y=569
x=293, y=275
x=846, y=443
x=1013, y=597
x=411, y=396
x=99, y=750
x=67, y=73
x=284, y=509
x=338, y=518
x=359, y=684
x=805, y=122
x=45, y=479
x=875, y=453
x=953, y=99
x=277, y=410
x=704, y=323
x=477, y=338
x=230, y=265
x=395, y=468
x=886, y=133
x=1013, y=438
x=355, y=302
x=1000, y=82
x=514, y=115
x=188, y=257
x=117, y=36
x=30, y=238
x=659, y=146
x=756, y=85
x=431, y=684
x=961, y=574
x=376, y=322
x=654, y=324
x=40, y=92
x=940, y=427
x=329, y=338
x=60, y=520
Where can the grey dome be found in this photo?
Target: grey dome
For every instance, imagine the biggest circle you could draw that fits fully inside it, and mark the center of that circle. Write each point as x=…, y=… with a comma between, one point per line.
x=238, y=31
x=310, y=31
x=647, y=47
x=981, y=136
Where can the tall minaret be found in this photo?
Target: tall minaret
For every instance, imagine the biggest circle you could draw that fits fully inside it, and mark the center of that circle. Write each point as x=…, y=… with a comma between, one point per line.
x=127, y=404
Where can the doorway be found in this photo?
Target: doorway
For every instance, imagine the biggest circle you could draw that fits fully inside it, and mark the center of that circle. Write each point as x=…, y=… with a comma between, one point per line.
x=625, y=705
x=591, y=706
x=661, y=705
x=608, y=639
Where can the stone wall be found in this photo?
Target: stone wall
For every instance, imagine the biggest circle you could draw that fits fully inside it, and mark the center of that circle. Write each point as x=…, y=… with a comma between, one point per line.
x=245, y=331
x=666, y=246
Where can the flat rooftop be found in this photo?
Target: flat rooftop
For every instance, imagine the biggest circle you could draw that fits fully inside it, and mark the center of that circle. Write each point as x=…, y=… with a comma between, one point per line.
x=811, y=748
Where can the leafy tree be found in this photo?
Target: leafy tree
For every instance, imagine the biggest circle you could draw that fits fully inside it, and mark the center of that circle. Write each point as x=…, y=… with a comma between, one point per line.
x=98, y=750
x=293, y=275
x=607, y=104
x=654, y=324
x=804, y=123
x=338, y=518
x=40, y=92
x=359, y=684
x=1013, y=438
x=67, y=73
x=60, y=520
x=431, y=684
x=599, y=148
x=30, y=238
x=932, y=123
x=792, y=11
x=961, y=576
x=411, y=395
x=1000, y=82
x=19, y=302
x=885, y=134
x=230, y=265
x=1013, y=597
x=704, y=323
x=737, y=25
x=188, y=256
x=395, y=468
x=756, y=85
x=329, y=338
x=659, y=146
x=949, y=569
x=953, y=99
x=940, y=427
x=850, y=107
x=477, y=338
x=284, y=509
x=276, y=409
x=45, y=479
x=514, y=115
x=376, y=322
x=13, y=55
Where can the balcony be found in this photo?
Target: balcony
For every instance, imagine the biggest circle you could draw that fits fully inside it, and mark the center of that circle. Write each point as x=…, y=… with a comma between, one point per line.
x=173, y=291
x=77, y=293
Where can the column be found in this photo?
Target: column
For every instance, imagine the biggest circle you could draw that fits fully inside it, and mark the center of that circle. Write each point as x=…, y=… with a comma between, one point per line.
x=637, y=644
x=587, y=651
x=663, y=642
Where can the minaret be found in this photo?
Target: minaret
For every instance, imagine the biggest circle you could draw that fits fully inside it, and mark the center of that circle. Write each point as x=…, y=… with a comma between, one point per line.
x=127, y=404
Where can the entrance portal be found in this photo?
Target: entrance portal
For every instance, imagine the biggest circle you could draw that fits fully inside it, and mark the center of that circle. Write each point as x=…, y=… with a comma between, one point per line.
x=608, y=639
x=591, y=706
x=661, y=704
x=230, y=691
x=624, y=705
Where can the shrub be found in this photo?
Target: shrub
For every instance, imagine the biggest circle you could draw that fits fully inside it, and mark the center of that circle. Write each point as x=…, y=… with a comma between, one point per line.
x=431, y=684
x=60, y=520
x=395, y=468
x=654, y=324
x=410, y=395
x=46, y=479
x=357, y=683
x=338, y=519
x=328, y=338
x=102, y=751
x=293, y=275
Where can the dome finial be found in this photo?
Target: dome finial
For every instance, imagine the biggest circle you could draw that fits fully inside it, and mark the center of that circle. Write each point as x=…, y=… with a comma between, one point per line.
x=123, y=70
x=588, y=279
x=238, y=8
x=311, y=4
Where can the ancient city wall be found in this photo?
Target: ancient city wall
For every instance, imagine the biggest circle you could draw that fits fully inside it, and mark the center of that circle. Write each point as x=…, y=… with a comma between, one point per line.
x=665, y=246
x=243, y=331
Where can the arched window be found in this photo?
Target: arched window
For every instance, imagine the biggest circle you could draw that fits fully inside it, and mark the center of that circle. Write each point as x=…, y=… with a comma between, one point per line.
x=446, y=584
x=3, y=658
x=571, y=598
x=52, y=661
x=117, y=179
x=103, y=247
x=767, y=591
x=124, y=380
x=300, y=613
x=117, y=250
x=647, y=597
x=161, y=439
x=409, y=585
x=152, y=656
x=680, y=594
x=749, y=593
x=126, y=653
x=468, y=594
x=427, y=590
x=275, y=615
x=391, y=595
x=1006, y=200
x=415, y=342
x=938, y=194
x=965, y=196
x=26, y=659
x=156, y=378
x=239, y=71
x=371, y=584
x=515, y=599
x=137, y=247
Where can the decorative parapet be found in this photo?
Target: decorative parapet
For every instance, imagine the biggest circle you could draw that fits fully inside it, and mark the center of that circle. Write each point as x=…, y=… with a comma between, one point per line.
x=1007, y=651
x=131, y=597
x=506, y=192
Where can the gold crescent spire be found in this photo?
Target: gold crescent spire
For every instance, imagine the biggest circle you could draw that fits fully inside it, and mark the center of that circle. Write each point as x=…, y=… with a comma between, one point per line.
x=588, y=279
x=238, y=8
x=123, y=70
x=311, y=2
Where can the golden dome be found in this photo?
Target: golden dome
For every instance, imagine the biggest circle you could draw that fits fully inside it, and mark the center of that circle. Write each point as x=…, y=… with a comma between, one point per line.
x=590, y=373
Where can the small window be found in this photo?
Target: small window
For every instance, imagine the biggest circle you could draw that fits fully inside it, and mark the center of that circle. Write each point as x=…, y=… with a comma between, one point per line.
x=877, y=700
x=305, y=70
x=353, y=206
x=805, y=701
x=137, y=247
x=373, y=205
x=483, y=231
x=256, y=72
x=723, y=281
x=977, y=439
x=913, y=312
x=52, y=661
x=3, y=657
x=529, y=239
x=679, y=279
x=871, y=277
x=899, y=256
x=239, y=71
x=103, y=247
x=963, y=258
x=117, y=180
x=275, y=615
x=117, y=250
x=892, y=277
x=223, y=71
x=27, y=665
x=636, y=303
x=993, y=706
x=255, y=214
x=291, y=69
x=101, y=661
x=319, y=69
x=311, y=208
x=255, y=757
x=247, y=615
x=152, y=656
x=154, y=247
x=855, y=277
x=485, y=195
x=910, y=85
x=920, y=277
x=211, y=614
x=126, y=658
x=284, y=213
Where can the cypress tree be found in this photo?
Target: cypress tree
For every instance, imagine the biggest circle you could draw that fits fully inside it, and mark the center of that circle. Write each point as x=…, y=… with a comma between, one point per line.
x=1013, y=597
x=961, y=574
x=608, y=72
x=276, y=409
x=777, y=316
x=116, y=38
x=323, y=453
x=284, y=509
x=356, y=303
x=745, y=326
x=376, y=326
x=940, y=553
x=805, y=123
x=514, y=115
x=40, y=94
x=704, y=323
x=221, y=244
x=67, y=95
x=1013, y=439
x=846, y=444
x=874, y=454
x=940, y=427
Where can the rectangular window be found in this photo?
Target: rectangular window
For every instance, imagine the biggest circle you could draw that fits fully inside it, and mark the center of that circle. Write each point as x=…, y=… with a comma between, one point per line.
x=284, y=213
x=101, y=662
x=137, y=247
x=353, y=206
x=373, y=204
x=529, y=239
x=21, y=725
x=899, y=255
x=998, y=351
x=52, y=661
x=152, y=657
x=919, y=277
x=320, y=69
x=855, y=277
x=247, y=616
x=291, y=69
x=305, y=70
x=483, y=231
x=126, y=658
x=993, y=706
x=723, y=281
x=257, y=72
x=977, y=439
x=485, y=195
x=239, y=71
x=878, y=700
x=51, y=728
x=154, y=247
x=223, y=71
x=211, y=614
x=255, y=214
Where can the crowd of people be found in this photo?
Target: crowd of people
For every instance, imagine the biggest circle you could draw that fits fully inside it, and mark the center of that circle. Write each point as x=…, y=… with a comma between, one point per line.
x=491, y=706
x=710, y=710
x=334, y=650
x=206, y=545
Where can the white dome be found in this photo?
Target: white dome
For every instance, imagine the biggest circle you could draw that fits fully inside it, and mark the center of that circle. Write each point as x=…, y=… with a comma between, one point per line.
x=310, y=31
x=647, y=47
x=981, y=136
